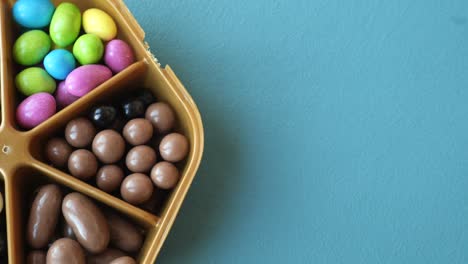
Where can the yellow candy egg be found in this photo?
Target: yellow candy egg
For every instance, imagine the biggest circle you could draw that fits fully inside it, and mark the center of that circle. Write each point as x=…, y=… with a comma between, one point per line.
x=99, y=23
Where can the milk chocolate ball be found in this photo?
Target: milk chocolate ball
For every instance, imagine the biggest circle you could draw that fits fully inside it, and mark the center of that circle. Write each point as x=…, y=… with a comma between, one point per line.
x=82, y=164
x=108, y=146
x=123, y=260
x=174, y=147
x=58, y=151
x=80, y=132
x=109, y=178
x=138, y=131
x=165, y=175
x=161, y=116
x=136, y=188
x=141, y=159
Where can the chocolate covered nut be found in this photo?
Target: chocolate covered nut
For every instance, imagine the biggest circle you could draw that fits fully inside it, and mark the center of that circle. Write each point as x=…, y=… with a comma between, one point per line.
x=138, y=131
x=80, y=132
x=87, y=221
x=123, y=234
x=165, y=175
x=136, y=188
x=82, y=164
x=109, y=146
x=36, y=257
x=65, y=250
x=161, y=116
x=109, y=178
x=58, y=151
x=105, y=257
x=43, y=216
x=140, y=159
x=174, y=147
x=123, y=260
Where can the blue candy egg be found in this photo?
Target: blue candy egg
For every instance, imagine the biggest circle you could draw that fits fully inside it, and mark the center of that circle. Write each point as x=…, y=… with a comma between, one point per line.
x=59, y=63
x=33, y=13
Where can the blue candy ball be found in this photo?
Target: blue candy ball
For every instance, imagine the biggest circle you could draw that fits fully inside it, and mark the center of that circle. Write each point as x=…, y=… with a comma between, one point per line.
x=33, y=13
x=59, y=63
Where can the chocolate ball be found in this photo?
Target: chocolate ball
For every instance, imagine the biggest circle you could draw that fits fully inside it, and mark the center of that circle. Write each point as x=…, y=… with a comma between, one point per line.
x=80, y=132
x=123, y=260
x=133, y=108
x=108, y=146
x=174, y=147
x=140, y=159
x=146, y=97
x=136, y=188
x=165, y=175
x=138, y=131
x=161, y=116
x=82, y=164
x=58, y=151
x=104, y=116
x=109, y=178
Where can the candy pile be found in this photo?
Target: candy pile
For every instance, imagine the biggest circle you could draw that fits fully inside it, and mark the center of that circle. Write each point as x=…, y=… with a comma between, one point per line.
x=87, y=233
x=118, y=141
x=51, y=50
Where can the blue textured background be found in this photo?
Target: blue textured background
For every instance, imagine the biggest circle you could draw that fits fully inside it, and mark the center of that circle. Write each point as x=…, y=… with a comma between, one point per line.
x=336, y=131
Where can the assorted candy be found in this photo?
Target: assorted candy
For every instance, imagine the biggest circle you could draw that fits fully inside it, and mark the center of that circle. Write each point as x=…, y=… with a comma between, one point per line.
x=127, y=149
x=35, y=109
x=71, y=228
x=54, y=58
x=33, y=13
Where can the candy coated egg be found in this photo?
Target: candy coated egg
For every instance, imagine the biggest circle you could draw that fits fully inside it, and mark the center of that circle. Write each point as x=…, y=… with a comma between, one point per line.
x=33, y=13
x=85, y=78
x=59, y=63
x=34, y=80
x=118, y=55
x=62, y=96
x=31, y=47
x=35, y=109
x=65, y=25
x=98, y=22
x=88, y=49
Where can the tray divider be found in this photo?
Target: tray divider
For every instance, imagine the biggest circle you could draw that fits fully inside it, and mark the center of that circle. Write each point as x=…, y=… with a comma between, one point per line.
x=7, y=86
x=113, y=85
x=14, y=221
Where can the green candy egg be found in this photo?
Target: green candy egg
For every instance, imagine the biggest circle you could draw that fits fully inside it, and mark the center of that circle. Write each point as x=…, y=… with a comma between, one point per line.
x=35, y=80
x=65, y=25
x=31, y=47
x=88, y=49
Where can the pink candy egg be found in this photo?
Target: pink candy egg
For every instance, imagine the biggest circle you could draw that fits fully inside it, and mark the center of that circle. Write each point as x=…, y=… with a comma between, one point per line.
x=118, y=55
x=62, y=96
x=84, y=79
x=35, y=109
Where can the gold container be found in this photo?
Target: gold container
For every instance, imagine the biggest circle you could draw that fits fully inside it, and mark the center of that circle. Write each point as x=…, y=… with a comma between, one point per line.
x=23, y=166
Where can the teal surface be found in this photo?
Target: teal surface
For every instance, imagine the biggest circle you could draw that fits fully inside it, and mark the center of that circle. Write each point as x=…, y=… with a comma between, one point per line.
x=336, y=131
